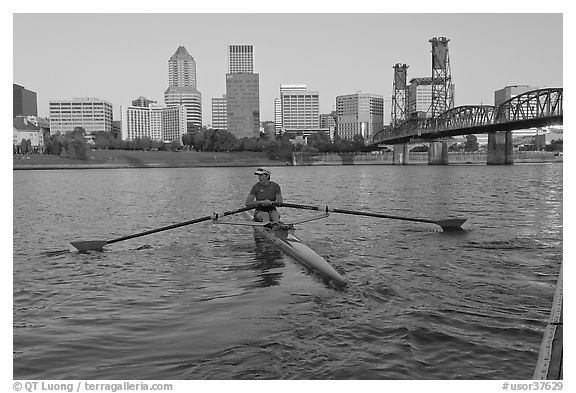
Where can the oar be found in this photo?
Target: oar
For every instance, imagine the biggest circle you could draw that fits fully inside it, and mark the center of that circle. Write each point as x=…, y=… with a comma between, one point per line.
x=96, y=245
x=451, y=224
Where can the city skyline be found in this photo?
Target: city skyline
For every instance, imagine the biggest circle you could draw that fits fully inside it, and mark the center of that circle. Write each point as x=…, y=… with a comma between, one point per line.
x=335, y=54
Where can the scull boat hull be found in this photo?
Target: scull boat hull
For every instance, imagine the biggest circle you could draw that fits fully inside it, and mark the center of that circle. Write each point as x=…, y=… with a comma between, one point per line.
x=293, y=246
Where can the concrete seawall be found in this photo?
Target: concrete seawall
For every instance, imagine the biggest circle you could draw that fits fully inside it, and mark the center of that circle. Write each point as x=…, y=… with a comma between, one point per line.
x=305, y=159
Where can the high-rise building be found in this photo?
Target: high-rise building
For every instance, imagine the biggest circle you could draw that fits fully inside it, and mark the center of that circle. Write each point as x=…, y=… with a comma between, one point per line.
x=277, y=116
x=182, y=86
x=24, y=102
x=300, y=108
x=92, y=114
x=419, y=97
x=242, y=93
x=329, y=121
x=243, y=104
x=508, y=92
x=360, y=114
x=219, y=113
x=142, y=101
x=240, y=59
x=157, y=122
x=420, y=91
x=174, y=124
x=269, y=129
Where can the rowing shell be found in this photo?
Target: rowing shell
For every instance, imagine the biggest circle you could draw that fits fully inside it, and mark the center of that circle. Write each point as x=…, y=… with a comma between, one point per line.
x=291, y=245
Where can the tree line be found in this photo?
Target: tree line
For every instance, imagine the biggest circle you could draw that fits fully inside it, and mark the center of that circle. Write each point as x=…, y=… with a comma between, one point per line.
x=73, y=144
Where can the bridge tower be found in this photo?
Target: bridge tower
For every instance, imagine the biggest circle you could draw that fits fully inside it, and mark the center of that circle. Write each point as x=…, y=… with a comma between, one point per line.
x=442, y=88
x=399, y=95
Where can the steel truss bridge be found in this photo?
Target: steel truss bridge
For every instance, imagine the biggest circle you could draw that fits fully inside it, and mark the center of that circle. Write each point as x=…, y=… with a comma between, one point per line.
x=536, y=108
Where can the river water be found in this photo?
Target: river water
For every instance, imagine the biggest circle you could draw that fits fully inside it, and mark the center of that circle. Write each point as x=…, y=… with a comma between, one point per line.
x=217, y=302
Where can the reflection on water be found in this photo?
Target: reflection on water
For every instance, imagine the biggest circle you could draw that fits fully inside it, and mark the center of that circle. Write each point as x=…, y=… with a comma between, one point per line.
x=268, y=261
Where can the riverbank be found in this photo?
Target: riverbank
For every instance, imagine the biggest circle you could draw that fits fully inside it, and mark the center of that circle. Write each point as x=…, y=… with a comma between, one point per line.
x=110, y=159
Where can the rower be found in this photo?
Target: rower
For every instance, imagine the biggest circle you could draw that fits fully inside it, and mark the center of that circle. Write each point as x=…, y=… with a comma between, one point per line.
x=262, y=197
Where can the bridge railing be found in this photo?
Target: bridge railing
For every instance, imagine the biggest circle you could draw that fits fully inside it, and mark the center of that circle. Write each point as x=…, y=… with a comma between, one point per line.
x=531, y=105
x=539, y=103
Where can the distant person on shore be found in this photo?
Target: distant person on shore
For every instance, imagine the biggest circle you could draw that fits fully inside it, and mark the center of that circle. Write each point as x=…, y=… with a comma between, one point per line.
x=262, y=196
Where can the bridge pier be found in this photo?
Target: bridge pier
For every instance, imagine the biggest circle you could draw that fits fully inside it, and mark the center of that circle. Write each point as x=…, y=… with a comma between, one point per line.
x=400, y=154
x=438, y=153
x=500, y=151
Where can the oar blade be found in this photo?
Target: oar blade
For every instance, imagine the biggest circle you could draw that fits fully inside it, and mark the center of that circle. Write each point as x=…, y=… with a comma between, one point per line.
x=90, y=245
x=451, y=224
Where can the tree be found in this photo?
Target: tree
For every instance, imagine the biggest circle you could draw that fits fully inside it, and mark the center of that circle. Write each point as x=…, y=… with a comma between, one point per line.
x=555, y=145
x=358, y=142
x=471, y=143
x=223, y=140
x=75, y=147
x=187, y=139
x=280, y=149
x=249, y=143
x=106, y=140
x=320, y=141
x=174, y=145
x=198, y=139
x=25, y=146
x=143, y=143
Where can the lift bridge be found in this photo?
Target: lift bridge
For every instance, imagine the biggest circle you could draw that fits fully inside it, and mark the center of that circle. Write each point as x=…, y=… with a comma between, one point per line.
x=536, y=108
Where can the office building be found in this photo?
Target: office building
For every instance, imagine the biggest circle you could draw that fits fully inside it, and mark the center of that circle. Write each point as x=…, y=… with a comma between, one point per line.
x=142, y=101
x=182, y=86
x=242, y=93
x=300, y=108
x=268, y=129
x=360, y=114
x=219, y=113
x=92, y=114
x=328, y=120
x=240, y=59
x=24, y=102
x=420, y=97
x=243, y=104
x=156, y=122
x=277, y=116
x=508, y=92
x=174, y=123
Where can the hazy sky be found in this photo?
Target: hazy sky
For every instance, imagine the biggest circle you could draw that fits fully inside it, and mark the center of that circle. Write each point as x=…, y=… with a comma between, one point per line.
x=119, y=57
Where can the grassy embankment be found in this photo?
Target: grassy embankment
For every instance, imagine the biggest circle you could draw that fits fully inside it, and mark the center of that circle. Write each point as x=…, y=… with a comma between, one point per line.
x=142, y=159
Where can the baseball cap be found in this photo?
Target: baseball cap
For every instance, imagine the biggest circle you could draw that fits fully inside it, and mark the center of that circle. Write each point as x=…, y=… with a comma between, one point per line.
x=262, y=171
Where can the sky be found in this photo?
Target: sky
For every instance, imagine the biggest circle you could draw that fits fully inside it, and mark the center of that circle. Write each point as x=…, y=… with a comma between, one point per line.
x=118, y=57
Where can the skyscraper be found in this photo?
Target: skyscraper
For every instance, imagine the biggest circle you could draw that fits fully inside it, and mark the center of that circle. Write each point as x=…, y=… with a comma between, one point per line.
x=240, y=59
x=182, y=86
x=242, y=93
